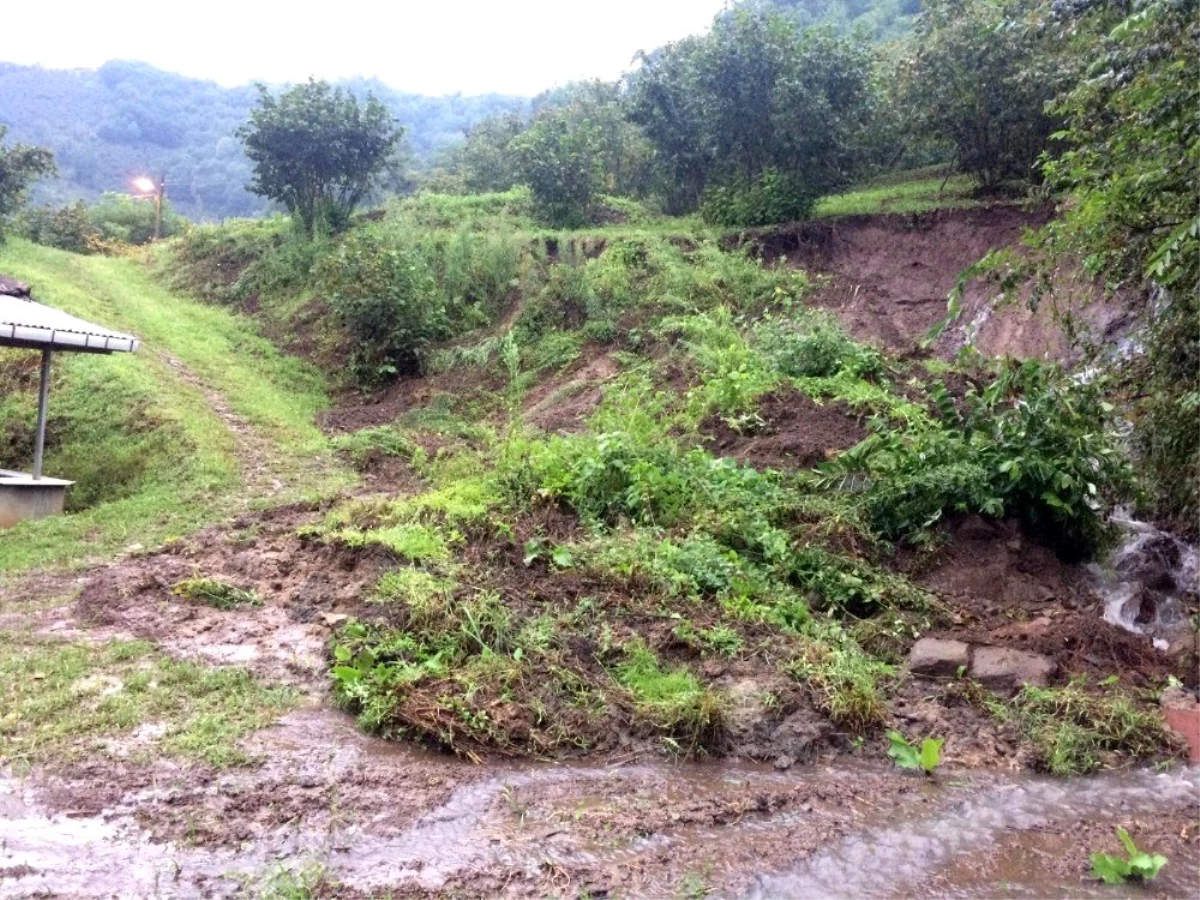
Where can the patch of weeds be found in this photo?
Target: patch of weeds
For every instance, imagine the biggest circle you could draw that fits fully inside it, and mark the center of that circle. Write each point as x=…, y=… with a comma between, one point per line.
x=64, y=701
x=216, y=593
x=1138, y=866
x=306, y=882
x=412, y=586
x=719, y=639
x=845, y=683
x=693, y=886
x=368, y=445
x=673, y=701
x=415, y=542
x=1072, y=729
x=906, y=755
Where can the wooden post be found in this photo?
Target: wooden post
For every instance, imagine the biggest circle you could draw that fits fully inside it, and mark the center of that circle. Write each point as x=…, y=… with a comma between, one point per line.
x=39, y=441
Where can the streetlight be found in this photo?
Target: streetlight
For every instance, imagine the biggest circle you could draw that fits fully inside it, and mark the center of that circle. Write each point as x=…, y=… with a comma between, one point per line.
x=156, y=192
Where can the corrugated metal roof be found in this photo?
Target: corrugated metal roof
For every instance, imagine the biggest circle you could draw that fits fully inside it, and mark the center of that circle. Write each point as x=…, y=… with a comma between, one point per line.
x=27, y=323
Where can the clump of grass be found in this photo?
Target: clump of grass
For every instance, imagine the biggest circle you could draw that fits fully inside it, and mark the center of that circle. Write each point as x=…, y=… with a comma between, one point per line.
x=216, y=593
x=412, y=541
x=673, y=700
x=369, y=445
x=1073, y=729
x=411, y=586
x=844, y=682
x=61, y=701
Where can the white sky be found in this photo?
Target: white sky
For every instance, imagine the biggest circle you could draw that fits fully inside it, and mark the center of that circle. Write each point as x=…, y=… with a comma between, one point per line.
x=423, y=46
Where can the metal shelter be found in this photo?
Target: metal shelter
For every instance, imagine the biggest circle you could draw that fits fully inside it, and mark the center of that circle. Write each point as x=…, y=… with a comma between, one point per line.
x=30, y=325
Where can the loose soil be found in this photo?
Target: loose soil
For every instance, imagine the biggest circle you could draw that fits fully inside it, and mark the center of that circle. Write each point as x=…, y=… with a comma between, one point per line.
x=792, y=431
x=889, y=278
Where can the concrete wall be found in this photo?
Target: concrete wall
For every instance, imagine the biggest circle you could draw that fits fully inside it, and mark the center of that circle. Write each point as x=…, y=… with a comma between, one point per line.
x=23, y=498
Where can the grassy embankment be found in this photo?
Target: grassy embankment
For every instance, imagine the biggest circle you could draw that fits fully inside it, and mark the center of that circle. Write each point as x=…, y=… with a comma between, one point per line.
x=151, y=456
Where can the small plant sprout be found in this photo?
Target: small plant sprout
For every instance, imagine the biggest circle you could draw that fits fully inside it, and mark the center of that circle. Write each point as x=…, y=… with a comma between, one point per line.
x=1139, y=866
x=908, y=756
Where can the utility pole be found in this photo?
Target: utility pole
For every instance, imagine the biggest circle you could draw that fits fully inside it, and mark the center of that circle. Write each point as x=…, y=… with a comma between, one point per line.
x=158, y=205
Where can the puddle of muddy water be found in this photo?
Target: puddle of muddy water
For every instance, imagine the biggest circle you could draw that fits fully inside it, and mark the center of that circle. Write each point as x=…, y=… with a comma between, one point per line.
x=988, y=843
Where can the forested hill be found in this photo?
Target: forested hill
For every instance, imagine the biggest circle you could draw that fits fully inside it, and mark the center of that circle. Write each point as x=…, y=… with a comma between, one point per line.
x=128, y=118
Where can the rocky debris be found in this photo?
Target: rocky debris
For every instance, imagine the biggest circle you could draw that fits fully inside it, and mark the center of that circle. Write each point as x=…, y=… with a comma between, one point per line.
x=10, y=287
x=1000, y=669
x=1181, y=714
x=1004, y=669
x=936, y=657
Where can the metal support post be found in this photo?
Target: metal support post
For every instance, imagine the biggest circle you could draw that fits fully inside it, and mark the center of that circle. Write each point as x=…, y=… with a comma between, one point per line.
x=39, y=441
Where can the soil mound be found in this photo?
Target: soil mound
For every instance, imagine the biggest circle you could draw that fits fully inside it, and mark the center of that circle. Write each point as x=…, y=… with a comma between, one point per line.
x=792, y=431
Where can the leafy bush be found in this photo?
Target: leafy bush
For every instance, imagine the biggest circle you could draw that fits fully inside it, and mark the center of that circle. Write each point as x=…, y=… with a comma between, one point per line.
x=1138, y=866
x=384, y=293
x=905, y=755
x=1033, y=444
x=814, y=346
x=772, y=198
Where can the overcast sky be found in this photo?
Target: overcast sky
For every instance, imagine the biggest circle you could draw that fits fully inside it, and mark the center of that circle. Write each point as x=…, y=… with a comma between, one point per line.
x=423, y=46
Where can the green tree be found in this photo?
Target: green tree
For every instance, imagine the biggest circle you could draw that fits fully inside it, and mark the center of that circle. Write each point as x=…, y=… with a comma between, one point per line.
x=756, y=119
x=1131, y=165
x=20, y=166
x=317, y=150
x=979, y=76
x=560, y=157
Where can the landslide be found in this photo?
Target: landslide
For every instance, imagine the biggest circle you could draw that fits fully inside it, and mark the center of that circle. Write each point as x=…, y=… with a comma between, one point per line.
x=655, y=509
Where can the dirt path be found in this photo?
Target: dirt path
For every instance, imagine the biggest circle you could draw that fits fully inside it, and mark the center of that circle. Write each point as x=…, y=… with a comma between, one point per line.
x=254, y=451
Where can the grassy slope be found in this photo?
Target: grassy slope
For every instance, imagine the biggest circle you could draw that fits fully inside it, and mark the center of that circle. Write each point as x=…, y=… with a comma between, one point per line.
x=278, y=396
x=919, y=191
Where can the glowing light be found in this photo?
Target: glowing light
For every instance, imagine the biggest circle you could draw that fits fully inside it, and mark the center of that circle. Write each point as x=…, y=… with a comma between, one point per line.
x=145, y=185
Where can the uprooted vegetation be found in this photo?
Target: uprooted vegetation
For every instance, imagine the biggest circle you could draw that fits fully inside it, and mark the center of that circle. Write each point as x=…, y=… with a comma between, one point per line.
x=665, y=569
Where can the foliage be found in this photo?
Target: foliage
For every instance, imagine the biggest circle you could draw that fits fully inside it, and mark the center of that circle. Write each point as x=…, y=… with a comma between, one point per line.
x=762, y=117
x=1130, y=164
x=20, y=166
x=558, y=157
x=1139, y=866
x=215, y=592
x=1072, y=729
x=905, y=755
x=979, y=76
x=384, y=294
x=66, y=228
x=875, y=19
x=1033, y=444
x=314, y=149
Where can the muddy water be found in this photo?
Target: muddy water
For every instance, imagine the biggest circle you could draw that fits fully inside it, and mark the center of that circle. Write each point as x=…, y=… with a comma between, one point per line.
x=995, y=842
x=627, y=830
x=1149, y=582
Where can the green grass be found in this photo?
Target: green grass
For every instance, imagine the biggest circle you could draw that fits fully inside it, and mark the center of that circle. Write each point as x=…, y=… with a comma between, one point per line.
x=921, y=194
x=1075, y=731
x=62, y=702
x=216, y=593
x=194, y=475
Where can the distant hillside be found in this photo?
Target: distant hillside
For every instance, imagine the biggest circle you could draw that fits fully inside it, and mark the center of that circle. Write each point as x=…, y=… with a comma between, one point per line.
x=127, y=118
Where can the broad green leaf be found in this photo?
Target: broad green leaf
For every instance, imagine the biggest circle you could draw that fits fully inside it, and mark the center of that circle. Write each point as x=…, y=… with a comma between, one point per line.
x=1110, y=869
x=931, y=753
